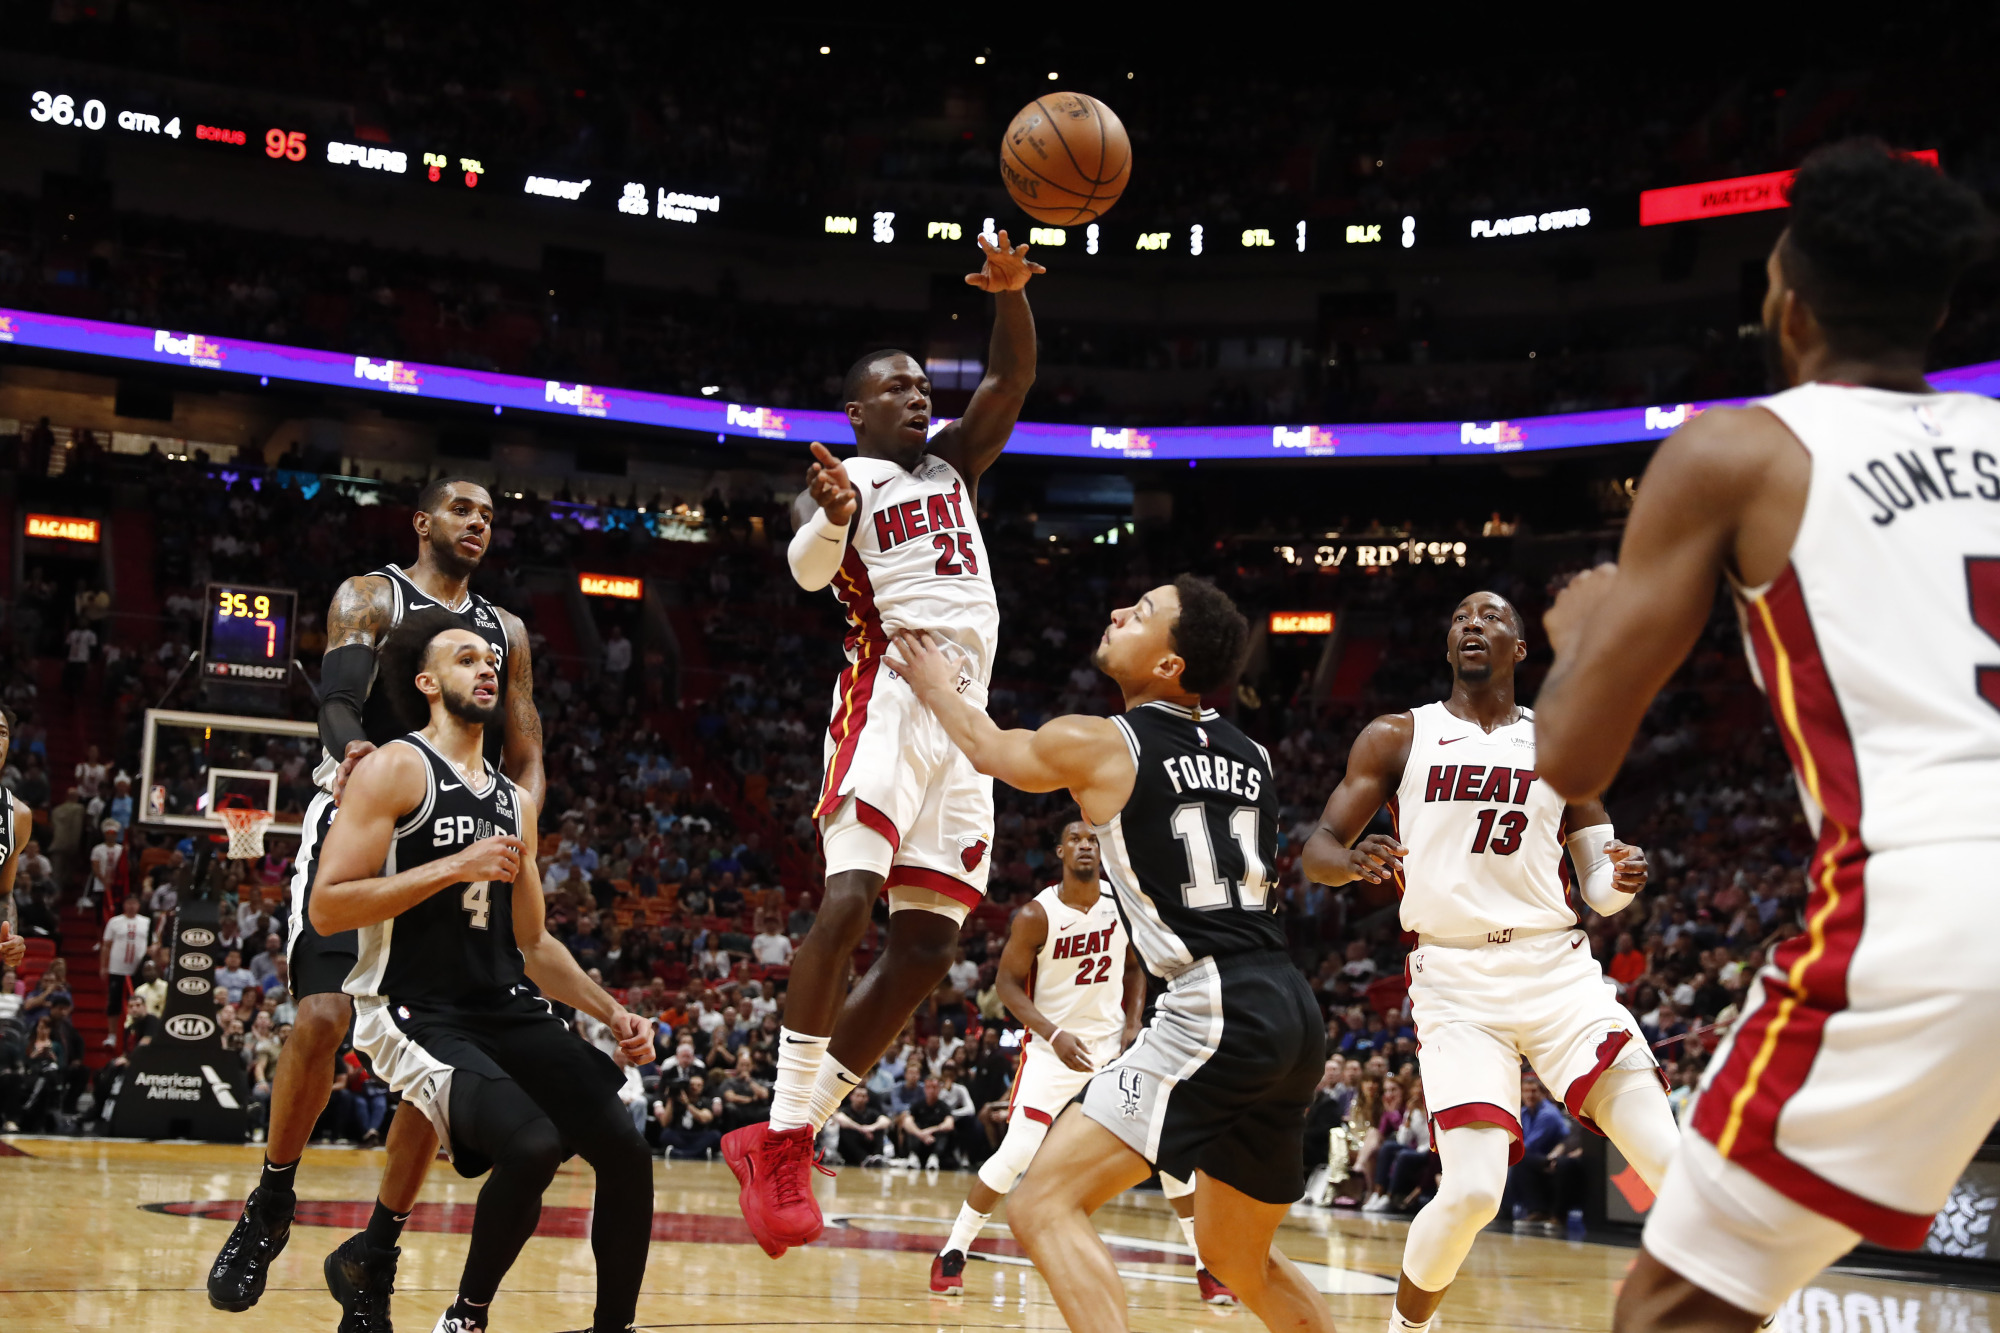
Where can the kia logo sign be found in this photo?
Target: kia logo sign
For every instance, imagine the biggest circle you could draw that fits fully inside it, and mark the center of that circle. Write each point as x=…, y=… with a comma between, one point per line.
x=196, y=962
x=194, y=937
x=193, y=986
x=191, y=1027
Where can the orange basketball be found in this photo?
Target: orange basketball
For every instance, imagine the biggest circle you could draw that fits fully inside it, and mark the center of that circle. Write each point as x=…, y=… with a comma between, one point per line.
x=1066, y=159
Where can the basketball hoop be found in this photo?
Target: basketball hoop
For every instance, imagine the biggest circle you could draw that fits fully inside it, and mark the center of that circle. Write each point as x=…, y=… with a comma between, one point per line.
x=246, y=831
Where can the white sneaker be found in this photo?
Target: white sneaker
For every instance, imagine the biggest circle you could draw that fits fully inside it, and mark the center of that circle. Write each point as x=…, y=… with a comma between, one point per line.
x=1375, y=1203
x=931, y=1163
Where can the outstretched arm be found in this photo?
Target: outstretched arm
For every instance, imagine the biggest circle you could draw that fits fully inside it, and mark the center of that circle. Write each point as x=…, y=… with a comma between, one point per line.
x=521, y=755
x=821, y=515
x=1374, y=770
x=1620, y=631
x=1084, y=754
x=974, y=441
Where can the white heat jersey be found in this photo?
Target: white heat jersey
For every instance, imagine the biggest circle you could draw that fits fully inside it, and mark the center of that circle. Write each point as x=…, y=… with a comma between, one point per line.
x=1079, y=981
x=1484, y=833
x=917, y=561
x=1879, y=644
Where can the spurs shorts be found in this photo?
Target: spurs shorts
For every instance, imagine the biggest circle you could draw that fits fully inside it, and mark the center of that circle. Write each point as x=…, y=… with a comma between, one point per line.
x=1481, y=1005
x=1222, y=1078
x=891, y=768
x=416, y=1047
x=318, y=963
x=1861, y=1077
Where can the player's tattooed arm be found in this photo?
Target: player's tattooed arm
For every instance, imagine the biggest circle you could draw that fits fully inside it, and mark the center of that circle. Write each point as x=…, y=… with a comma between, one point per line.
x=363, y=610
x=1374, y=770
x=1086, y=755
x=12, y=947
x=974, y=441
x=521, y=754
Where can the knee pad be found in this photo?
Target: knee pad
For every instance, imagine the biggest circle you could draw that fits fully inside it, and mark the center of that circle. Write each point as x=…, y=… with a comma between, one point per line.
x=535, y=1150
x=1003, y=1170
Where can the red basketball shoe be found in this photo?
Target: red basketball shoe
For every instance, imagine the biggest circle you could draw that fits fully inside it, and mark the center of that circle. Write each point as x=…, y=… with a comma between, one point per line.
x=1212, y=1290
x=948, y=1272
x=775, y=1172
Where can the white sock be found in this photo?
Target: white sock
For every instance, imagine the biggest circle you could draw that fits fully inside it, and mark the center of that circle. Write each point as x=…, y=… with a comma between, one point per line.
x=830, y=1088
x=1187, y=1229
x=1398, y=1324
x=799, y=1057
x=966, y=1229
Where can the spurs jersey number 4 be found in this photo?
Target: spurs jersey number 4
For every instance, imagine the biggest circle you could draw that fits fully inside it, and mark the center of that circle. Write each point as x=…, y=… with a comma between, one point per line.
x=1079, y=981
x=1190, y=853
x=1484, y=833
x=1879, y=643
x=916, y=560
x=456, y=946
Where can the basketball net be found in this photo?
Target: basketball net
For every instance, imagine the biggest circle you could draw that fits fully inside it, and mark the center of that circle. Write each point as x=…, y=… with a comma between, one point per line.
x=246, y=831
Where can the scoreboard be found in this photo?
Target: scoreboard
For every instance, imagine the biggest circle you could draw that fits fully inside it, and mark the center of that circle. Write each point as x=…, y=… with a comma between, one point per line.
x=247, y=635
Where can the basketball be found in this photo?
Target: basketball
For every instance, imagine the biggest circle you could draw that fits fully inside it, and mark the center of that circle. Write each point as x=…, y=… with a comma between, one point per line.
x=1066, y=159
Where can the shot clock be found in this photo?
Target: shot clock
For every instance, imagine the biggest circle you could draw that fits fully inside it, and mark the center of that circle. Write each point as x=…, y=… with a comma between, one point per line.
x=247, y=635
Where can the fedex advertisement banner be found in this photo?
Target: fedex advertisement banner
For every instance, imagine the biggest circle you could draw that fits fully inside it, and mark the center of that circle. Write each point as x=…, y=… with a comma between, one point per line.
x=1402, y=439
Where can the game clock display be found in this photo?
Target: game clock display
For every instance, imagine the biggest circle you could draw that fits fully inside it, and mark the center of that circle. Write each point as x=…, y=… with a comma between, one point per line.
x=247, y=635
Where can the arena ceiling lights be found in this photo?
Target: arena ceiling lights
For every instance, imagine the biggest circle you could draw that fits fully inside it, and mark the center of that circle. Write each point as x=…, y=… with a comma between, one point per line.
x=453, y=384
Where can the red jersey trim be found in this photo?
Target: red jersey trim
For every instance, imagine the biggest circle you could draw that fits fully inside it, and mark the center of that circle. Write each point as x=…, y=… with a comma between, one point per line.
x=922, y=877
x=1482, y=1113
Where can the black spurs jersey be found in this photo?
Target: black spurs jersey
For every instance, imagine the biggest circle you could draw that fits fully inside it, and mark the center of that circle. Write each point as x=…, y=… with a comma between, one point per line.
x=7, y=808
x=1190, y=854
x=456, y=946
x=389, y=713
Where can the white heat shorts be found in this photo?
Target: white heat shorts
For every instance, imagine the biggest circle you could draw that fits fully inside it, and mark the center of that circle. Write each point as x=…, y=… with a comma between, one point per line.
x=1481, y=1006
x=891, y=769
x=1882, y=1015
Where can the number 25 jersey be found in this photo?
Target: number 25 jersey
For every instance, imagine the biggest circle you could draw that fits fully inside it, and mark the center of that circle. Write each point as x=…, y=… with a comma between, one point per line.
x=916, y=560
x=1484, y=832
x=456, y=946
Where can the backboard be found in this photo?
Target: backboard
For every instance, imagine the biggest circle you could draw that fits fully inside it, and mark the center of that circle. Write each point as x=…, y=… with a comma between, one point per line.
x=191, y=763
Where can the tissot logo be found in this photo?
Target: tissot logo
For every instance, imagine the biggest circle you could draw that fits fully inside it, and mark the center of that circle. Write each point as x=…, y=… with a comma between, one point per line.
x=191, y=1027
x=193, y=986
x=195, y=937
x=195, y=962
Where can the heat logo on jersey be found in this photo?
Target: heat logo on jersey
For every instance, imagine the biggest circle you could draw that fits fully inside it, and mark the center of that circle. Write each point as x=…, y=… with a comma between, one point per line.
x=935, y=514
x=1474, y=782
x=1077, y=946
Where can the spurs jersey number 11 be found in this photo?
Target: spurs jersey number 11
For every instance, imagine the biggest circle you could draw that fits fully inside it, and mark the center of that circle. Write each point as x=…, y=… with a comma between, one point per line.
x=1484, y=833
x=456, y=946
x=1879, y=643
x=1079, y=981
x=916, y=560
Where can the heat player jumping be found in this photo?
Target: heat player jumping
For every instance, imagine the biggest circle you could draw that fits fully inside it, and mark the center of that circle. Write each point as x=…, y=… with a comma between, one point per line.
x=895, y=531
x=1500, y=971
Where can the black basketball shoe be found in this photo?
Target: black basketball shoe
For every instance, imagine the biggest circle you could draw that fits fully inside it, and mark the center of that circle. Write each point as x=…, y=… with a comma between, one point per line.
x=237, y=1280
x=362, y=1280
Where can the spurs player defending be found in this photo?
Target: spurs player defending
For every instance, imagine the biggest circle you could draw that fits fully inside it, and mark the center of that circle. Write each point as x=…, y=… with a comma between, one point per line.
x=17, y=825
x=1500, y=971
x=1068, y=977
x=1857, y=518
x=1217, y=1086
x=429, y=864
x=895, y=531
x=360, y=710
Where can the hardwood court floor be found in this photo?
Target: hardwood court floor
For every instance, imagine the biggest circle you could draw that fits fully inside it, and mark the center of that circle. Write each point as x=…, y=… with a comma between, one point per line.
x=120, y=1235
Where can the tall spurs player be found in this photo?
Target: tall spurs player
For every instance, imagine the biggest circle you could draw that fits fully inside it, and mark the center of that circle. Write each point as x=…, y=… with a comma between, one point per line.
x=896, y=532
x=429, y=863
x=1856, y=515
x=1499, y=971
x=1068, y=977
x=453, y=521
x=1217, y=1086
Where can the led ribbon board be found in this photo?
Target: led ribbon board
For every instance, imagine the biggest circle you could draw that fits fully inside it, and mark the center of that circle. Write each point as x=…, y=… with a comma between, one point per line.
x=452, y=384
